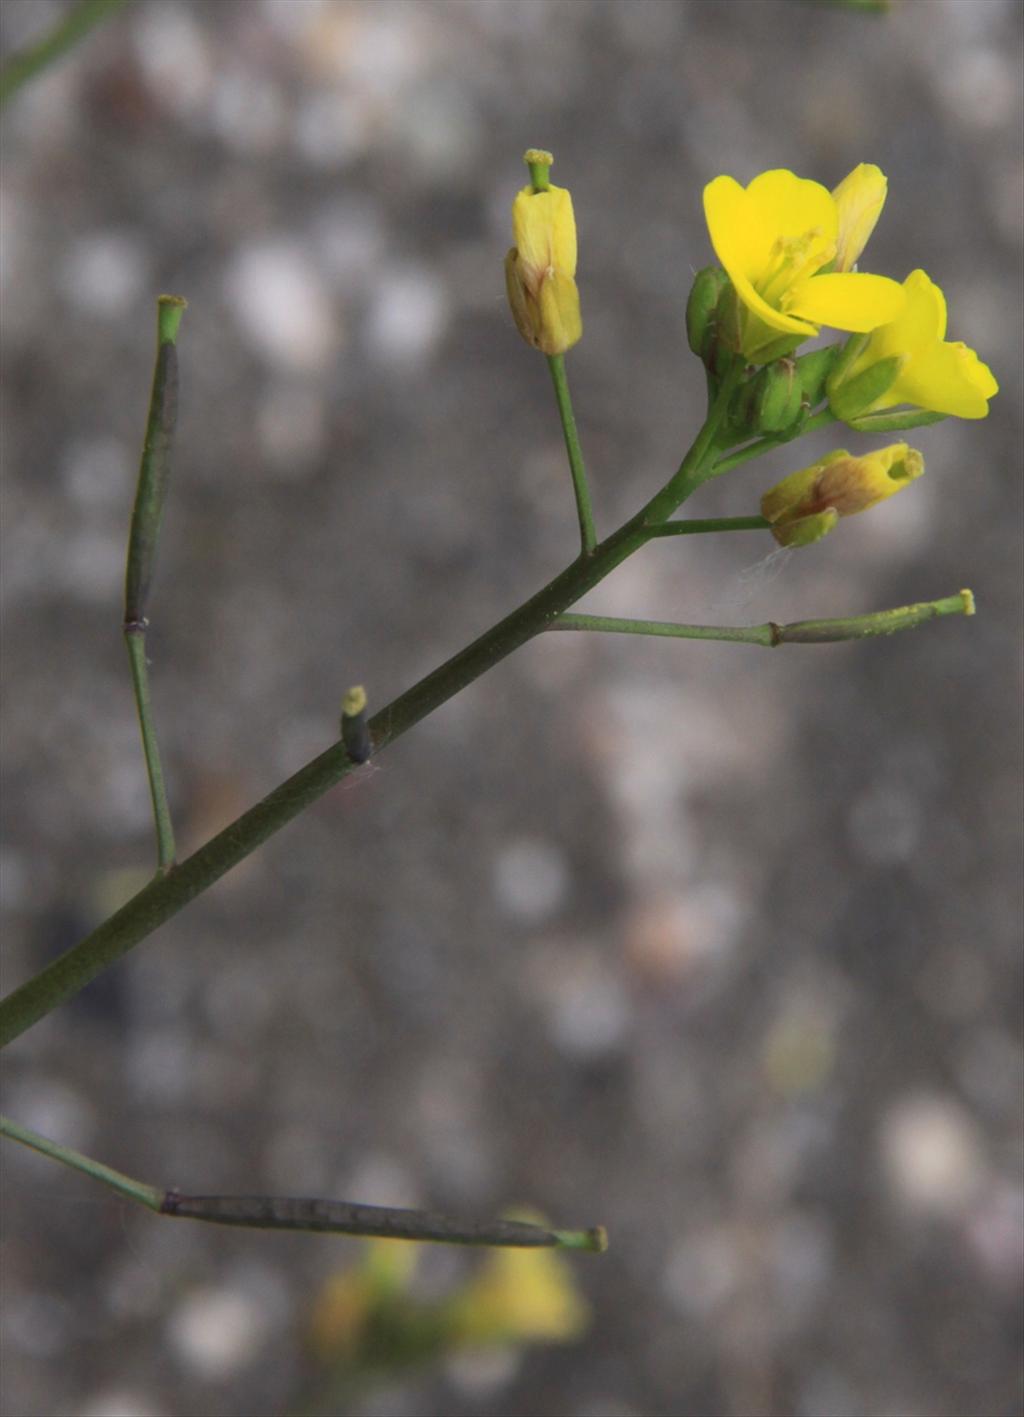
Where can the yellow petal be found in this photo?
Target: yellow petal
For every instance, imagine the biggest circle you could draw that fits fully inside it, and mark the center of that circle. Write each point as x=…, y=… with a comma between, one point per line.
x=789, y=206
x=789, y=323
x=947, y=378
x=848, y=301
x=545, y=229
x=859, y=199
x=560, y=322
x=921, y=323
x=740, y=243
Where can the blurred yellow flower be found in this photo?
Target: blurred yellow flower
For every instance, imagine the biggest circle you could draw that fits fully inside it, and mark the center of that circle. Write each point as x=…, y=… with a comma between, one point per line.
x=806, y=506
x=520, y=1296
x=933, y=373
x=779, y=238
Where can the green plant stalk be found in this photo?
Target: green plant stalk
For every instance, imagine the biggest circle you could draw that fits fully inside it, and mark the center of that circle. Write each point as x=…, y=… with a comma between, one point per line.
x=295, y=1213
x=64, y=35
x=143, y=539
x=807, y=632
x=823, y=419
x=135, y=640
x=698, y=525
x=148, y=1196
x=163, y=897
x=588, y=536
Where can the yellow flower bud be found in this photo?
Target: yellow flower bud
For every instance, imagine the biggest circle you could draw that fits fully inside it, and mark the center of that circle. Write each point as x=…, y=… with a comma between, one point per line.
x=859, y=198
x=805, y=506
x=540, y=270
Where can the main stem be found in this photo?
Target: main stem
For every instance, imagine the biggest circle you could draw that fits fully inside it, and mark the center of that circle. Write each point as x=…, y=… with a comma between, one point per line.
x=166, y=895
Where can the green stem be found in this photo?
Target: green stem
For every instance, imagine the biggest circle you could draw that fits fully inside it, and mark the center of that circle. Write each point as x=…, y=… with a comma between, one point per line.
x=143, y=539
x=588, y=536
x=75, y=25
x=699, y=463
x=807, y=632
x=148, y=1196
x=135, y=639
x=294, y=1213
x=705, y=524
x=163, y=897
x=823, y=419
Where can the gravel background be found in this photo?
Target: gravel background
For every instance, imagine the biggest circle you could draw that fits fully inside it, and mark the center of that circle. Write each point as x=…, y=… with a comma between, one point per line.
x=717, y=947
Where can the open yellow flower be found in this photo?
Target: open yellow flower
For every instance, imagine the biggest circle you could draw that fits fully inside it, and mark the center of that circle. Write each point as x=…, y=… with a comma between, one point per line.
x=540, y=270
x=933, y=373
x=806, y=505
x=778, y=239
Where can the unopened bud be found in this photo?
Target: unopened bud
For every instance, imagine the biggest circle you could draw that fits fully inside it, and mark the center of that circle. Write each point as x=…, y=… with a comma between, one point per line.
x=813, y=370
x=707, y=287
x=540, y=268
x=805, y=506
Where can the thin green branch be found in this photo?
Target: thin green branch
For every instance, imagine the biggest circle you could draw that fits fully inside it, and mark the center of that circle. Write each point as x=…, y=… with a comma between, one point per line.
x=135, y=641
x=148, y=1196
x=823, y=419
x=770, y=635
x=64, y=35
x=588, y=536
x=143, y=539
x=294, y=1213
x=700, y=525
x=163, y=897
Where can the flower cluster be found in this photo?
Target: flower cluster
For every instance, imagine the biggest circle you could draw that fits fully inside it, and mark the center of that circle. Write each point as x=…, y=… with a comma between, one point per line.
x=788, y=252
x=790, y=248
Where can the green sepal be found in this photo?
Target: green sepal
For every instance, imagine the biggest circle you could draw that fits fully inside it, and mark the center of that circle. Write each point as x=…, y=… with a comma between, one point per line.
x=705, y=292
x=805, y=531
x=895, y=422
x=849, y=398
x=778, y=349
x=848, y=354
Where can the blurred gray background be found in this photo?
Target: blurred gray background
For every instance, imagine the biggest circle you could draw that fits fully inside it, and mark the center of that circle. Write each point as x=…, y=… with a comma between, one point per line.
x=715, y=946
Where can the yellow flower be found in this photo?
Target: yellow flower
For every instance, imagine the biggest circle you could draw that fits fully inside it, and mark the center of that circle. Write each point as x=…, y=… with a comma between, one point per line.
x=540, y=270
x=859, y=199
x=778, y=239
x=520, y=1296
x=933, y=373
x=805, y=506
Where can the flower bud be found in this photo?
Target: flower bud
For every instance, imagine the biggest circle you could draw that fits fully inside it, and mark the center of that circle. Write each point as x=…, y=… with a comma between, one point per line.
x=775, y=398
x=805, y=506
x=859, y=200
x=813, y=370
x=541, y=266
x=707, y=287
